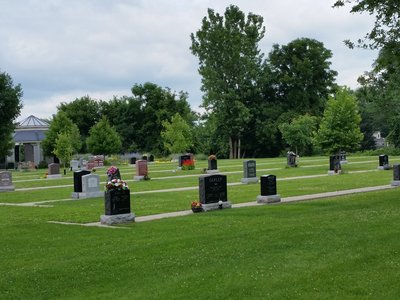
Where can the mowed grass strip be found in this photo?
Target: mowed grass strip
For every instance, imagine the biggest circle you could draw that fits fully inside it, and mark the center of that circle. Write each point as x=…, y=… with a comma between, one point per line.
x=342, y=248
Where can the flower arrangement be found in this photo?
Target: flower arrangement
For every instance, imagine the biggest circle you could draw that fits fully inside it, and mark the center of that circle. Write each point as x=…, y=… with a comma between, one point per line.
x=112, y=171
x=188, y=164
x=116, y=184
x=212, y=157
x=196, y=206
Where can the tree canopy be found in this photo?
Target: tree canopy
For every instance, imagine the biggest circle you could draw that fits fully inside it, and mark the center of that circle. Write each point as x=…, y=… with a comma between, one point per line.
x=177, y=135
x=10, y=108
x=103, y=139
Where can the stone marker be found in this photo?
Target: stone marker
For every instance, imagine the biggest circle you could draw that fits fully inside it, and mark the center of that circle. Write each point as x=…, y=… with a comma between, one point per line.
x=133, y=160
x=396, y=175
x=53, y=171
x=182, y=159
x=78, y=180
x=90, y=186
x=6, y=182
x=343, y=157
x=291, y=159
x=334, y=165
x=249, y=172
x=74, y=164
x=383, y=162
x=212, y=165
x=213, y=192
x=268, y=190
x=141, y=169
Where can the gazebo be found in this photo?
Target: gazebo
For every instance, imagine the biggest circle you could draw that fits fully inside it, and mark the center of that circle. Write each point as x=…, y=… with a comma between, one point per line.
x=28, y=136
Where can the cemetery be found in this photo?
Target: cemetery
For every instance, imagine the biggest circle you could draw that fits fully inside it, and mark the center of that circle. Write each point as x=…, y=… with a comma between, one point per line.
x=296, y=224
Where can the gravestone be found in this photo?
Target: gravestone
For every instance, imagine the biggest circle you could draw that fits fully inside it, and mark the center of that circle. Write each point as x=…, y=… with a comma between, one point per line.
x=53, y=171
x=396, y=175
x=249, y=172
x=268, y=190
x=133, y=160
x=74, y=164
x=291, y=159
x=141, y=169
x=213, y=192
x=78, y=182
x=90, y=165
x=212, y=166
x=90, y=187
x=383, y=162
x=343, y=157
x=151, y=158
x=98, y=163
x=6, y=182
x=334, y=165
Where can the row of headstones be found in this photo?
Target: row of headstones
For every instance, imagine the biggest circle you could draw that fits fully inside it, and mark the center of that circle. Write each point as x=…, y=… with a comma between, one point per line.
x=95, y=162
x=149, y=158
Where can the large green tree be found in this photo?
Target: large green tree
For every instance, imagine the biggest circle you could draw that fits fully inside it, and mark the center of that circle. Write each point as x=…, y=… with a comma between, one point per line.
x=177, y=135
x=230, y=66
x=10, y=108
x=63, y=148
x=103, y=139
x=61, y=124
x=340, y=126
x=300, y=75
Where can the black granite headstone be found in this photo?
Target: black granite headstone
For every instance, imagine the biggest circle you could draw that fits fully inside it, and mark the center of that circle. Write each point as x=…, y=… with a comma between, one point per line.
x=268, y=185
x=151, y=158
x=213, y=188
x=383, y=160
x=334, y=163
x=133, y=160
x=78, y=180
x=396, y=172
x=212, y=164
x=117, y=202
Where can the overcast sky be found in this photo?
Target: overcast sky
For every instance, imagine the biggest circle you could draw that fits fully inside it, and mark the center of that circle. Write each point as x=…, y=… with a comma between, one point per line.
x=60, y=50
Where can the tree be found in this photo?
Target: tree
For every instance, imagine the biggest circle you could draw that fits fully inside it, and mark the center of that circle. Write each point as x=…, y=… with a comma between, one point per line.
x=386, y=29
x=299, y=133
x=10, y=108
x=300, y=75
x=177, y=135
x=230, y=66
x=61, y=124
x=103, y=139
x=340, y=125
x=63, y=148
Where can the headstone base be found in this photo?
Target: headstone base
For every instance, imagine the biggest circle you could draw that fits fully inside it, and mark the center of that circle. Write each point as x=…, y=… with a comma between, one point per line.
x=76, y=195
x=395, y=183
x=334, y=172
x=54, y=176
x=212, y=171
x=117, y=219
x=215, y=206
x=138, y=178
x=385, y=167
x=343, y=162
x=268, y=199
x=249, y=180
x=9, y=188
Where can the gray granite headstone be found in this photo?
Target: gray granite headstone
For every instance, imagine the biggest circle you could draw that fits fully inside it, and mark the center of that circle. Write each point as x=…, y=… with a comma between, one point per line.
x=6, y=181
x=74, y=165
x=90, y=187
x=249, y=172
x=396, y=175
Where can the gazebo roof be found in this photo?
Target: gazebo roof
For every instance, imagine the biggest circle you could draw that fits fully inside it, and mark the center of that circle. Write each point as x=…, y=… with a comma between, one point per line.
x=32, y=122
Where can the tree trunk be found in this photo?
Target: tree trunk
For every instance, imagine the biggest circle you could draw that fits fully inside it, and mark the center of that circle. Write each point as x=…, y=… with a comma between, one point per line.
x=230, y=147
x=239, y=145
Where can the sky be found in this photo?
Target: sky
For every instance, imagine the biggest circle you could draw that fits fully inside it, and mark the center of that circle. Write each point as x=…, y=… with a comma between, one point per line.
x=60, y=50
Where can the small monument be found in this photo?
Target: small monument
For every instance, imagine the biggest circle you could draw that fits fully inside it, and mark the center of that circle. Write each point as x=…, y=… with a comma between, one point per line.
x=141, y=170
x=334, y=165
x=249, y=172
x=212, y=165
x=53, y=171
x=213, y=192
x=6, y=182
x=74, y=164
x=343, y=157
x=132, y=160
x=186, y=162
x=396, y=175
x=291, y=159
x=268, y=190
x=383, y=162
x=90, y=187
x=117, y=200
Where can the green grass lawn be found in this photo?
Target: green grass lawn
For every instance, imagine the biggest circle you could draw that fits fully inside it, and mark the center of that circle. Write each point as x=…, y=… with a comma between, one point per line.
x=338, y=248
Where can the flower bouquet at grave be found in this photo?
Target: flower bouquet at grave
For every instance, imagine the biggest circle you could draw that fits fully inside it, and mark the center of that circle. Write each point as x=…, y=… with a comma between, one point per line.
x=116, y=184
x=188, y=164
x=196, y=206
x=113, y=173
x=212, y=157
